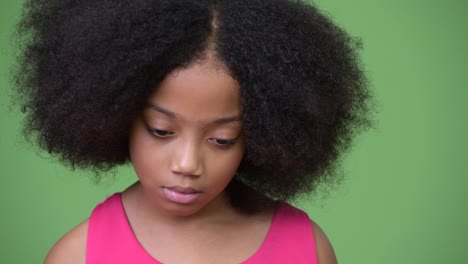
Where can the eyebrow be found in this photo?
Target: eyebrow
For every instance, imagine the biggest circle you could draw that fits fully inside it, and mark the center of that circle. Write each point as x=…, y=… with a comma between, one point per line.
x=222, y=120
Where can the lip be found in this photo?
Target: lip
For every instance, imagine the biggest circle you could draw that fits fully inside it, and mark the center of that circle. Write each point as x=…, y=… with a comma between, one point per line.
x=181, y=195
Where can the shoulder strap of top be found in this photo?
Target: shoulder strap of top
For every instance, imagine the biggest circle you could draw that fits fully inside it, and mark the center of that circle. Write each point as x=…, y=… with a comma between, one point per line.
x=290, y=239
x=110, y=237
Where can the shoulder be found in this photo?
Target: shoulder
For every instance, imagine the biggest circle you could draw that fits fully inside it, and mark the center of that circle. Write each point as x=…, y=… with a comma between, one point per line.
x=325, y=252
x=297, y=217
x=71, y=248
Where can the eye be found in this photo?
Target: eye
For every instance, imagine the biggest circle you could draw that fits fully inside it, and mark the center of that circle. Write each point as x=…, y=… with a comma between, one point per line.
x=160, y=133
x=223, y=142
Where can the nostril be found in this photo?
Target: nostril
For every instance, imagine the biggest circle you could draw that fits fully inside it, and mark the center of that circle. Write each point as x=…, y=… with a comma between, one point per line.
x=187, y=167
x=187, y=159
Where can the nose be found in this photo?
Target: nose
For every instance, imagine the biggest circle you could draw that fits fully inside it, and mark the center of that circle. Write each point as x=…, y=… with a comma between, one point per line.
x=187, y=160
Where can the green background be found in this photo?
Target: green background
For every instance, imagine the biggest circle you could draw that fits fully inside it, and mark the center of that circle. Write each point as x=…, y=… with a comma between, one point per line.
x=403, y=199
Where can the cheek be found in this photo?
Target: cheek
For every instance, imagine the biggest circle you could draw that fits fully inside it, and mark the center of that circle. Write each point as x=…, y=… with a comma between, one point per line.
x=224, y=166
x=143, y=157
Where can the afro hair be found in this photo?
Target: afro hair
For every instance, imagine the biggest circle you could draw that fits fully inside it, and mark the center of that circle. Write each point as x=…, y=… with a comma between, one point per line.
x=87, y=67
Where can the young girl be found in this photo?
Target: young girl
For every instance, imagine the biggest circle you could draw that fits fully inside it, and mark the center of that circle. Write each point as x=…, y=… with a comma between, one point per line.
x=226, y=110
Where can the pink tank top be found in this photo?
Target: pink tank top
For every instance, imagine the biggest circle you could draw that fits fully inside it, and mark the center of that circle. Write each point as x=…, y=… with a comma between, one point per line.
x=111, y=240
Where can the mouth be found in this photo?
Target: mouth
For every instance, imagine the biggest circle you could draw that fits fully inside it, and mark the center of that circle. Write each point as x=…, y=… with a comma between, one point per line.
x=181, y=195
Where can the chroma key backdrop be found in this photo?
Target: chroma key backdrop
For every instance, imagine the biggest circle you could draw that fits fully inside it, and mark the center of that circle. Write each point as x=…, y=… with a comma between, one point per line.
x=403, y=195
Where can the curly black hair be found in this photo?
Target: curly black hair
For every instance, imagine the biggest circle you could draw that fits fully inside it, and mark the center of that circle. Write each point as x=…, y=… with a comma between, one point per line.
x=87, y=68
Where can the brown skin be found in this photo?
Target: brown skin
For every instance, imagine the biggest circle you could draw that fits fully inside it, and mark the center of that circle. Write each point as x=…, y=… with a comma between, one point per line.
x=190, y=135
x=195, y=140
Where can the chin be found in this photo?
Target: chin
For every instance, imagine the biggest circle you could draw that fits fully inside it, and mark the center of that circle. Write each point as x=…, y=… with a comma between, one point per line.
x=183, y=209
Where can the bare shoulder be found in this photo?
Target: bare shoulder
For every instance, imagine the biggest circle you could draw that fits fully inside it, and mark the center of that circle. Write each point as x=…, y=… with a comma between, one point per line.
x=325, y=252
x=71, y=248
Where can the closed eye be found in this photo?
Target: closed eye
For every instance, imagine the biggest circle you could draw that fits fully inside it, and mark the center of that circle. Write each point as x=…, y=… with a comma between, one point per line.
x=160, y=133
x=223, y=142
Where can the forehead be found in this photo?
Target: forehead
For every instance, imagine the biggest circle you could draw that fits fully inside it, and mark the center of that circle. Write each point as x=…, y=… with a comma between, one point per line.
x=199, y=92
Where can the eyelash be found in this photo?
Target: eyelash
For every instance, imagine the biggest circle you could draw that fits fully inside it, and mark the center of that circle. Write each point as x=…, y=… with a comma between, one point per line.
x=225, y=142
x=162, y=134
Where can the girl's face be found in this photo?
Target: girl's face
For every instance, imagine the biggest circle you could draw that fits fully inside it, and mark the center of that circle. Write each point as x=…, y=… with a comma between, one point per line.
x=188, y=142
